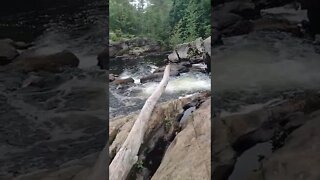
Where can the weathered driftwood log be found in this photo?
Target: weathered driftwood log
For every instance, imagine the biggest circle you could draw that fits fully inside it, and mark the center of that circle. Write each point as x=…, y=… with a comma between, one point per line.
x=127, y=155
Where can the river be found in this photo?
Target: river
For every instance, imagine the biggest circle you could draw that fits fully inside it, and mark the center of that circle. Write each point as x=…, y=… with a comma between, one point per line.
x=127, y=99
x=48, y=119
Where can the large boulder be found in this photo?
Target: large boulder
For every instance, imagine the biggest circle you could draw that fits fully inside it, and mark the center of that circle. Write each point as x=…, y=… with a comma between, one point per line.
x=103, y=58
x=136, y=46
x=207, y=45
x=233, y=18
x=174, y=57
x=189, y=155
x=157, y=76
x=224, y=20
x=246, y=10
x=50, y=63
x=302, y=146
x=117, y=49
x=120, y=81
x=313, y=7
x=7, y=52
x=270, y=24
x=191, y=51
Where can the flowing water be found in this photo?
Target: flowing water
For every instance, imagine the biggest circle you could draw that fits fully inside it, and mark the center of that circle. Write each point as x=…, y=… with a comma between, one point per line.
x=49, y=119
x=82, y=30
x=131, y=98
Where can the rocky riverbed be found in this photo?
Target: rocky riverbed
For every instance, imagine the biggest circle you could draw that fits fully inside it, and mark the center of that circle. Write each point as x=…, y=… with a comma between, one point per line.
x=137, y=65
x=266, y=92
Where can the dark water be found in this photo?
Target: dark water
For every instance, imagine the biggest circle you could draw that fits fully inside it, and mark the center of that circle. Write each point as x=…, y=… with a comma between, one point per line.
x=119, y=65
x=82, y=30
x=59, y=117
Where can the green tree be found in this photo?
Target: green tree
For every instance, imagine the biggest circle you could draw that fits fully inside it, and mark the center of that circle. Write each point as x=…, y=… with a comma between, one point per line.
x=168, y=21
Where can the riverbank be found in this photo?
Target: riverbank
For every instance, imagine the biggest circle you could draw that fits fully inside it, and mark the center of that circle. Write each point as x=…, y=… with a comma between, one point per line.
x=266, y=83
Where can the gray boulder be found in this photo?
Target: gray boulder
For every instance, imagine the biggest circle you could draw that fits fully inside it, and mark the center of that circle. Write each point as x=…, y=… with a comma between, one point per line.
x=7, y=52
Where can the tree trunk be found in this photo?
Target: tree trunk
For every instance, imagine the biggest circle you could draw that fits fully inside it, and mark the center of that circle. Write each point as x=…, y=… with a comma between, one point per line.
x=127, y=155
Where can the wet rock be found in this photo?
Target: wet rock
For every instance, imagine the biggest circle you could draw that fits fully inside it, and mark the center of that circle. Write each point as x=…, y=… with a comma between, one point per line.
x=246, y=10
x=7, y=52
x=223, y=155
x=190, y=50
x=119, y=81
x=114, y=49
x=158, y=76
x=136, y=47
x=50, y=63
x=183, y=50
x=301, y=146
x=207, y=44
x=103, y=58
x=111, y=77
x=21, y=45
x=180, y=67
x=268, y=24
x=198, y=44
x=237, y=132
x=289, y=14
x=233, y=18
x=224, y=20
x=174, y=57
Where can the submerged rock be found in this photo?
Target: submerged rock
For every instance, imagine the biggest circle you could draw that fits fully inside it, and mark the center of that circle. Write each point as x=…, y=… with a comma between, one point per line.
x=7, y=52
x=119, y=81
x=51, y=63
x=103, y=58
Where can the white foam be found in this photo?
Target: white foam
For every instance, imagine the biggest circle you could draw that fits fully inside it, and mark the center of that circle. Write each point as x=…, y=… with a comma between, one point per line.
x=188, y=83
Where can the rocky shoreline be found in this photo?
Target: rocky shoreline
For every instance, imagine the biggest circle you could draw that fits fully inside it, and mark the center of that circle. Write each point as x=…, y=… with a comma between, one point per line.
x=165, y=147
x=262, y=104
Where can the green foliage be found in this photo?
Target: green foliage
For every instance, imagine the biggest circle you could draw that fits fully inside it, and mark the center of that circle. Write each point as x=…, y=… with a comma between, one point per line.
x=139, y=165
x=168, y=21
x=118, y=35
x=191, y=19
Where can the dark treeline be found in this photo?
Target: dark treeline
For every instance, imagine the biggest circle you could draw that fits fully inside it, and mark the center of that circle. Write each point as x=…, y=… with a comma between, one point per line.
x=168, y=21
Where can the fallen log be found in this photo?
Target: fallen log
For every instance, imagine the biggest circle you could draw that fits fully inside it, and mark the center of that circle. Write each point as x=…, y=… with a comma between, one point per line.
x=127, y=155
